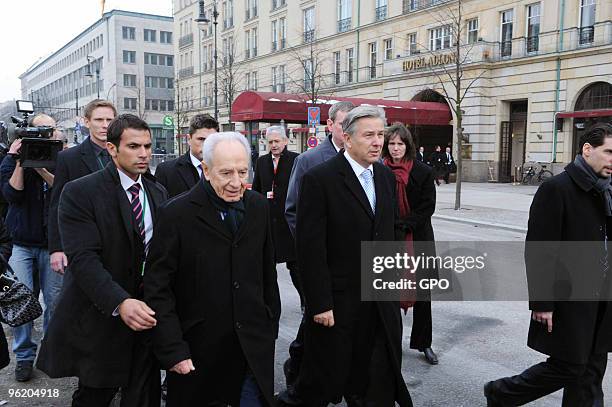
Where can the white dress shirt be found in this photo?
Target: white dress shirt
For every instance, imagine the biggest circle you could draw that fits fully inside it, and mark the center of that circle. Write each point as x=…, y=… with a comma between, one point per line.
x=358, y=169
x=126, y=183
x=197, y=164
x=335, y=145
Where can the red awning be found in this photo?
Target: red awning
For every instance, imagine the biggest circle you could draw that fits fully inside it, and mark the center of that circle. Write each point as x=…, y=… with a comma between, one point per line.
x=586, y=113
x=273, y=107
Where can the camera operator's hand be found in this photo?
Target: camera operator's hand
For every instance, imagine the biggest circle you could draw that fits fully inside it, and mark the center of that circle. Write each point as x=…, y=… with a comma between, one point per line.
x=59, y=261
x=46, y=175
x=15, y=147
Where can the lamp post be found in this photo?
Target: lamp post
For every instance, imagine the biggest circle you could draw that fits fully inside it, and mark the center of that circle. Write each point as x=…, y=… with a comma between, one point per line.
x=202, y=19
x=90, y=75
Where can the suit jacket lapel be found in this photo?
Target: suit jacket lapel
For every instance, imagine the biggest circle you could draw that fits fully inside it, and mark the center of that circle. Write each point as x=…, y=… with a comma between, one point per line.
x=154, y=196
x=245, y=222
x=124, y=203
x=353, y=184
x=207, y=213
x=381, y=191
x=88, y=155
x=186, y=170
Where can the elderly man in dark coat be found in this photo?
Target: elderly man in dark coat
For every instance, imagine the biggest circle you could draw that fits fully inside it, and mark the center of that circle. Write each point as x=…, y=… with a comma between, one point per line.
x=352, y=349
x=271, y=179
x=567, y=256
x=212, y=282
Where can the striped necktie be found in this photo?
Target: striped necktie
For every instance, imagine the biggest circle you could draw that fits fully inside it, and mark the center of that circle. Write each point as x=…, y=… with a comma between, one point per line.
x=137, y=211
x=368, y=186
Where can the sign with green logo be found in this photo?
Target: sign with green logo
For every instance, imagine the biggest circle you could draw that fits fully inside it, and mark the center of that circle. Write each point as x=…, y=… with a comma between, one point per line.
x=168, y=122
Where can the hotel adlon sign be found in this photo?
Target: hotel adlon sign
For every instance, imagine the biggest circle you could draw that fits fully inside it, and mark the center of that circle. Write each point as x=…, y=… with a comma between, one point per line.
x=429, y=61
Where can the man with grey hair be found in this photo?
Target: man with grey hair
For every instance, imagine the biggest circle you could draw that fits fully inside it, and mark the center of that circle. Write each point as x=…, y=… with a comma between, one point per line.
x=211, y=280
x=271, y=179
x=352, y=348
x=323, y=152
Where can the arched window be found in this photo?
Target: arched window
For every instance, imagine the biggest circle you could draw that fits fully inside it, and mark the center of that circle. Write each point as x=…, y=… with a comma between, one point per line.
x=429, y=95
x=596, y=96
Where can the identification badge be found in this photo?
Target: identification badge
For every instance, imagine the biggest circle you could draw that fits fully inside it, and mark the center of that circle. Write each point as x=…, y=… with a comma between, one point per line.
x=270, y=194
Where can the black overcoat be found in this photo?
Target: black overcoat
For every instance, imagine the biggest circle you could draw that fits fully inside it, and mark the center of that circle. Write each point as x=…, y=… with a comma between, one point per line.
x=84, y=339
x=215, y=296
x=71, y=164
x=333, y=218
x=263, y=181
x=178, y=175
x=567, y=209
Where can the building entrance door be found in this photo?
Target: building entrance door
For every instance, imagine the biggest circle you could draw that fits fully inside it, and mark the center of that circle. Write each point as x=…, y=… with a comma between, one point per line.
x=513, y=141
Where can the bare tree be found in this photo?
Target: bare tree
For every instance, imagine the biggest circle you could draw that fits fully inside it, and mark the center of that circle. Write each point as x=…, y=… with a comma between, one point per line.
x=138, y=91
x=231, y=74
x=455, y=78
x=181, y=106
x=309, y=59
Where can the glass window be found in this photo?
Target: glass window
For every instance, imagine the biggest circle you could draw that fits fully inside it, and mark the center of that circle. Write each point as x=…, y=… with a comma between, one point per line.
x=149, y=35
x=337, y=68
x=411, y=43
x=472, y=31
x=128, y=33
x=309, y=20
x=165, y=37
x=388, y=48
x=129, y=80
x=372, y=51
x=533, y=27
x=129, y=103
x=350, y=61
x=507, y=20
x=129, y=57
x=439, y=38
x=587, y=21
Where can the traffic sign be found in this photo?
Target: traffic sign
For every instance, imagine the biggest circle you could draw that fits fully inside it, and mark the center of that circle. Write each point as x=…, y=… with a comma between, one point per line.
x=314, y=116
x=168, y=122
x=312, y=142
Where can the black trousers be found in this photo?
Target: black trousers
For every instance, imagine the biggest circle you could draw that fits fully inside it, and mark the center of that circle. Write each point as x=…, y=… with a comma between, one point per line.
x=581, y=383
x=143, y=389
x=421, y=334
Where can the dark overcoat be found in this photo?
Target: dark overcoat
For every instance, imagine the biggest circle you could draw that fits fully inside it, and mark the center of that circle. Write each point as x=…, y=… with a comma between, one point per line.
x=178, y=175
x=333, y=218
x=266, y=180
x=215, y=296
x=567, y=209
x=84, y=339
x=71, y=164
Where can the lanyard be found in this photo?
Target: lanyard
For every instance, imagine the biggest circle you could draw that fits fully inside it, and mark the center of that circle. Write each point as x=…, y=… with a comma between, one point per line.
x=100, y=163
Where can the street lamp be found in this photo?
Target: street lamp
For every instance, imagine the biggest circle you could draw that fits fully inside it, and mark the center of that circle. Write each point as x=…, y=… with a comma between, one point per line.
x=90, y=75
x=202, y=19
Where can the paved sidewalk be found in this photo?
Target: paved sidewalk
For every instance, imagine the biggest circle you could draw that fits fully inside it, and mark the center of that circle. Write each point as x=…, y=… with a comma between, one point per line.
x=504, y=206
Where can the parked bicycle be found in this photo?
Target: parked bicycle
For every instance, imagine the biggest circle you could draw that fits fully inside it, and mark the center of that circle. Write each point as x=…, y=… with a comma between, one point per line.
x=531, y=177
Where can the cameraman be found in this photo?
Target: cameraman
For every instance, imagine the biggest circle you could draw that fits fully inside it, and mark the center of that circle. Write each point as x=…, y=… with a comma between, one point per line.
x=27, y=193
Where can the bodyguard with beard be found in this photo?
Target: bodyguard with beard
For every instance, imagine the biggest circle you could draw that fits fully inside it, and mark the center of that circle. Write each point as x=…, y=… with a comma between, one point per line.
x=574, y=207
x=212, y=282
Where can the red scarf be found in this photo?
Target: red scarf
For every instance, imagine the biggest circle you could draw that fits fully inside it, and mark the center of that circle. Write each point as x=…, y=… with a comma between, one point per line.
x=402, y=176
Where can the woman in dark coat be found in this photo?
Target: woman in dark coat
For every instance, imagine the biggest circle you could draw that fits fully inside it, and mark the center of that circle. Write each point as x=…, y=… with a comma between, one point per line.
x=416, y=196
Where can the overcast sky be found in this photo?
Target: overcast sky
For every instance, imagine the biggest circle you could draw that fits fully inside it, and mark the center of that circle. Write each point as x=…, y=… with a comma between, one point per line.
x=34, y=29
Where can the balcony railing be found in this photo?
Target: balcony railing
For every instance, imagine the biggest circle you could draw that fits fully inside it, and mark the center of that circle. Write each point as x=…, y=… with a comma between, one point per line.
x=277, y=4
x=185, y=72
x=186, y=40
x=533, y=44
x=381, y=13
x=247, y=53
x=283, y=43
x=309, y=35
x=344, y=25
x=228, y=23
x=506, y=49
x=274, y=46
x=254, y=52
x=587, y=34
x=415, y=5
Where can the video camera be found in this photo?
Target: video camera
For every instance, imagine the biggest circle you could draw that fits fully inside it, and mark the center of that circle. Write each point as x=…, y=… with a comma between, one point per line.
x=37, y=151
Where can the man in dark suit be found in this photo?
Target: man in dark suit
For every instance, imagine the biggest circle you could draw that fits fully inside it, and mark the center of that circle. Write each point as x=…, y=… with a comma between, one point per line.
x=212, y=282
x=567, y=254
x=106, y=222
x=90, y=156
x=302, y=163
x=182, y=173
x=420, y=155
x=352, y=348
x=271, y=179
x=449, y=164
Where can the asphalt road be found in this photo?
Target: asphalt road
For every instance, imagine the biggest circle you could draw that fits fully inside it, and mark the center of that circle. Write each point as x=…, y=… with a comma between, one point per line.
x=475, y=342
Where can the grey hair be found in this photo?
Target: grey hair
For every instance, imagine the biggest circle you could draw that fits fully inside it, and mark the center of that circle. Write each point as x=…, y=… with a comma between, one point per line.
x=212, y=140
x=362, y=112
x=280, y=130
x=339, y=107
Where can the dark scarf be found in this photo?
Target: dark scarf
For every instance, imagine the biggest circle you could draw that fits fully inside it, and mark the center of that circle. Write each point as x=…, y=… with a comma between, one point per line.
x=402, y=172
x=601, y=185
x=233, y=212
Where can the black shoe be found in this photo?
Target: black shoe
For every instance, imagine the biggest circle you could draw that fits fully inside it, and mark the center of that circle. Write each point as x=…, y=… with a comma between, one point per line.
x=290, y=374
x=430, y=356
x=488, y=392
x=23, y=370
x=164, y=388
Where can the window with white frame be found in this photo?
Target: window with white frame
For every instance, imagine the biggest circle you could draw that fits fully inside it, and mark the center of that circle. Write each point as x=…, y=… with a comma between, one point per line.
x=440, y=38
x=282, y=23
x=274, y=78
x=472, y=31
x=411, y=44
x=337, y=68
x=149, y=35
x=350, y=64
x=309, y=24
x=507, y=23
x=254, y=42
x=587, y=21
x=345, y=11
x=373, y=50
x=274, y=32
x=128, y=33
x=533, y=27
x=129, y=80
x=388, y=43
x=247, y=44
x=308, y=74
